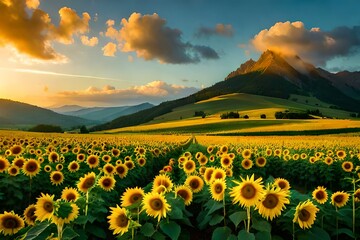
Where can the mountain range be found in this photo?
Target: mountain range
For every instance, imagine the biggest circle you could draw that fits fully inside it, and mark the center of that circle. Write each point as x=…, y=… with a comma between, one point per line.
x=272, y=75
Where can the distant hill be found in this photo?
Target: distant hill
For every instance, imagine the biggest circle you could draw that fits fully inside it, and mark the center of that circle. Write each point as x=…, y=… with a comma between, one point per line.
x=272, y=75
x=67, y=108
x=21, y=115
x=106, y=114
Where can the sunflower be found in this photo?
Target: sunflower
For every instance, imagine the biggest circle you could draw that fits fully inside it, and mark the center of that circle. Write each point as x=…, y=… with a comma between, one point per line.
x=260, y=162
x=19, y=162
x=119, y=220
x=224, y=149
x=141, y=151
x=141, y=161
x=92, y=161
x=64, y=150
x=70, y=194
x=185, y=193
x=29, y=215
x=339, y=199
x=130, y=164
x=210, y=149
x=155, y=205
x=16, y=150
x=162, y=180
x=341, y=154
x=106, y=158
x=195, y=183
x=212, y=158
x=347, y=166
x=208, y=174
x=10, y=223
x=59, y=167
x=53, y=157
x=107, y=183
x=305, y=214
x=132, y=196
x=80, y=157
x=272, y=202
x=217, y=189
x=56, y=177
x=66, y=213
x=203, y=160
x=282, y=183
x=189, y=166
x=4, y=164
x=47, y=168
x=303, y=156
x=296, y=156
x=31, y=168
x=246, y=153
x=225, y=161
x=122, y=170
x=218, y=173
x=73, y=166
x=13, y=170
x=86, y=182
x=248, y=192
x=44, y=207
x=246, y=164
x=320, y=195
x=268, y=152
x=109, y=169
x=229, y=172
x=357, y=195
x=277, y=152
x=328, y=160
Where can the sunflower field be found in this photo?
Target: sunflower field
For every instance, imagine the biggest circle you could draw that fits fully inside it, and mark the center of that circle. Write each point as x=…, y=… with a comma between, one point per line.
x=65, y=186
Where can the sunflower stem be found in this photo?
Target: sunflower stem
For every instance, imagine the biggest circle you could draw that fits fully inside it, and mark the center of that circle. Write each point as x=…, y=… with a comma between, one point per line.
x=293, y=233
x=60, y=230
x=87, y=203
x=337, y=223
x=132, y=233
x=224, y=210
x=353, y=206
x=248, y=218
x=30, y=190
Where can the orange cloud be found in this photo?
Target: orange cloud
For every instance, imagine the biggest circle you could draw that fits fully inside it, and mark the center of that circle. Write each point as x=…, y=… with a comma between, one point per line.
x=313, y=45
x=89, y=42
x=156, y=92
x=30, y=31
x=109, y=49
x=150, y=38
x=220, y=30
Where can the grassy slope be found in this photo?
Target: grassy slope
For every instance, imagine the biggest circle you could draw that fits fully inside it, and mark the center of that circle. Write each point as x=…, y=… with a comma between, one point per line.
x=251, y=105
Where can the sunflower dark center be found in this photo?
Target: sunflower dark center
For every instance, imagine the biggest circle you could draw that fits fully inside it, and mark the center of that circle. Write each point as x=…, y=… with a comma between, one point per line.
x=347, y=165
x=10, y=223
x=304, y=215
x=120, y=170
x=226, y=161
x=48, y=206
x=81, y=157
x=57, y=177
x=261, y=161
x=218, y=188
x=18, y=163
x=73, y=166
x=320, y=195
x=13, y=170
x=107, y=182
x=109, y=169
x=194, y=184
x=248, y=191
x=156, y=204
x=70, y=197
x=271, y=201
x=129, y=165
x=282, y=184
x=122, y=221
x=208, y=175
x=189, y=165
x=141, y=161
x=183, y=193
x=246, y=163
x=135, y=197
x=16, y=150
x=218, y=175
x=31, y=167
x=92, y=160
x=339, y=198
x=89, y=182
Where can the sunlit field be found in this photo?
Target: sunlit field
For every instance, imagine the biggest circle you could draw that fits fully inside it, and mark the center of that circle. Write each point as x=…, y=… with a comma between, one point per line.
x=128, y=186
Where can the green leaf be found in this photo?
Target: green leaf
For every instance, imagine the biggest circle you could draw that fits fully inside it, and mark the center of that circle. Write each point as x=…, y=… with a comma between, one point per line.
x=319, y=233
x=171, y=229
x=216, y=218
x=159, y=236
x=262, y=226
x=69, y=233
x=238, y=217
x=244, y=235
x=176, y=213
x=221, y=233
x=345, y=231
x=263, y=236
x=81, y=220
x=35, y=231
x=147, y=229
x=96, y=231
x=232, y=237
x=214, y=206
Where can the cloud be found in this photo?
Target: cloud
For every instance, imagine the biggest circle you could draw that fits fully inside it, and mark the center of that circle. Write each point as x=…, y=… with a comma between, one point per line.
x=109, y=49
x=150, y=38
x=29, y=30
x=219, y=30
x=89, y=42
x=312, y=45
x=155, y=92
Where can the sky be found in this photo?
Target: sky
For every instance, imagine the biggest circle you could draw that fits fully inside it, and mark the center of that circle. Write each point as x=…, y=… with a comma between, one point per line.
x=126, y=52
